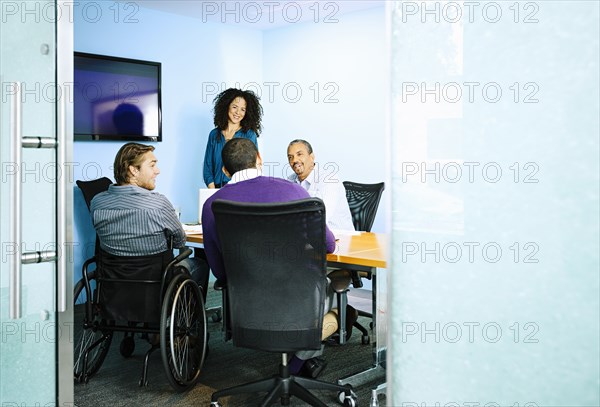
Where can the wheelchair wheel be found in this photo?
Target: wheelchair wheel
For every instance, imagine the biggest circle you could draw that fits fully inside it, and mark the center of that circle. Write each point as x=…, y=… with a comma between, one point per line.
x=86, y=335
x=183, y=334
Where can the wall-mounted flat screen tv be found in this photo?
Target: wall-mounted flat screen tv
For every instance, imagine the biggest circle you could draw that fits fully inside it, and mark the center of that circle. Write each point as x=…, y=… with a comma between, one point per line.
x=116, y=98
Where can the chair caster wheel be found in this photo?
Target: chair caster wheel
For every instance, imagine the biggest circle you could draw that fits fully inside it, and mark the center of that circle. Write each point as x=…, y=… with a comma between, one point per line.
x=143, y=383
x=127, y=346
x=215, y=404
x=350, y=400
x=365, y=339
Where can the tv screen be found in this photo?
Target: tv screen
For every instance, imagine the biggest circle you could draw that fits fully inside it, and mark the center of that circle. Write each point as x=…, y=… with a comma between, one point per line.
x=116, y=98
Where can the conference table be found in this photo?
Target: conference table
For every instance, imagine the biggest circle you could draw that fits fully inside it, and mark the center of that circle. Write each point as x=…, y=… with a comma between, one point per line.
x=360, y=251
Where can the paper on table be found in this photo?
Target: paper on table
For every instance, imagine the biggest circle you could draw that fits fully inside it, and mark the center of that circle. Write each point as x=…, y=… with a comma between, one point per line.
x=192, y=229
x=344, y=232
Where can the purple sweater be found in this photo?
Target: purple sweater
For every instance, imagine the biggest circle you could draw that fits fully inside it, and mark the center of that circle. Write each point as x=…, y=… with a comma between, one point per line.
x=256, y=190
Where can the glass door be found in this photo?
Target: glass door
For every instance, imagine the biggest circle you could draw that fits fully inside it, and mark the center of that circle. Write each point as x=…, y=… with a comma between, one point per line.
x=34, y=203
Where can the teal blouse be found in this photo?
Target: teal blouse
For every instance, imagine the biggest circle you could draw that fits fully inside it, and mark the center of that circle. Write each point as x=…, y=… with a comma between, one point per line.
x=213, y=163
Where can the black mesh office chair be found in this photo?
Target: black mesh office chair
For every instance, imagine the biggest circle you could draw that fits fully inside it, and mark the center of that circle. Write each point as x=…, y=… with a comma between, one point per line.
x=138, y=294
x=275, y=261
x=363, y=200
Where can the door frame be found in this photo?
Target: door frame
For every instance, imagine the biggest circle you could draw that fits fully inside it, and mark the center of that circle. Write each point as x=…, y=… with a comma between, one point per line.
x=64, y=124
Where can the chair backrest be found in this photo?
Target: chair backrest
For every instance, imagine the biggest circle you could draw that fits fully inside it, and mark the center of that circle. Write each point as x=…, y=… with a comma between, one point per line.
x=90, y=189
x=363, y=200
x=275, y=261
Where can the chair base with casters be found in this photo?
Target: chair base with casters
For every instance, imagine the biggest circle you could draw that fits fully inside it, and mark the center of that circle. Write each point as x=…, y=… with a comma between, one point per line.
x=181, y=329
x=283, y=386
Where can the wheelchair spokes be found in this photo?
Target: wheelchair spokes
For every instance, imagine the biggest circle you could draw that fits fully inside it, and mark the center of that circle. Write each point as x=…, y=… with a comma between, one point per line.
x=91, y=344
x=183, y=326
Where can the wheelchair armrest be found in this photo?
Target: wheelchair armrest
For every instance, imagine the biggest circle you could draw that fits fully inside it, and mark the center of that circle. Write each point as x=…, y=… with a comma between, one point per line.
x=87, y=263
x=183, y=253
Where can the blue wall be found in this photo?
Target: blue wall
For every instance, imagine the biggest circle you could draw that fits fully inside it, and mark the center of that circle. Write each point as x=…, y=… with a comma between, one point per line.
x=341, y=71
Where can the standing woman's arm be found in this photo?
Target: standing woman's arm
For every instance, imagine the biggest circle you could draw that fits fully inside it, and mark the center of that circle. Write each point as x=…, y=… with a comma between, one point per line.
x=209, y=161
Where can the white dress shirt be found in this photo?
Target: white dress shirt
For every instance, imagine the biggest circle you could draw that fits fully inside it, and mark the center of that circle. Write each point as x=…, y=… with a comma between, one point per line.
x=245, y=175
x=333, y=194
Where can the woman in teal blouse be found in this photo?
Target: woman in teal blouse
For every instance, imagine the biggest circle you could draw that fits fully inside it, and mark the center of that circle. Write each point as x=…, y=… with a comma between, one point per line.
x=237, y=113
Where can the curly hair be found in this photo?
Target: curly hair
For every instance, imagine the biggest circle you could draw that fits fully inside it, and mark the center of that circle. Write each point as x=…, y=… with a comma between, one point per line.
x=254, y=112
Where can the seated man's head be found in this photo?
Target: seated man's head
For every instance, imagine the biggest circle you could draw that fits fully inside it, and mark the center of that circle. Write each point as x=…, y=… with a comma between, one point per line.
x=239, y=154
x=135, y=164
x=301, y=158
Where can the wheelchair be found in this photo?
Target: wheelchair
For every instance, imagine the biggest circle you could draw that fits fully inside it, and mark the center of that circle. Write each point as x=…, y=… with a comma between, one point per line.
x=147, y=295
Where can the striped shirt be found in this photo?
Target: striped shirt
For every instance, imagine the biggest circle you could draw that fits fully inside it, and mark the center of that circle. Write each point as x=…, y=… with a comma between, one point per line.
x=133, y=221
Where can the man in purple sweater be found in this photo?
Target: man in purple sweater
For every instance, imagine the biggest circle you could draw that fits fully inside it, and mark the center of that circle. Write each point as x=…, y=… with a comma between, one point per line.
x=242, y=163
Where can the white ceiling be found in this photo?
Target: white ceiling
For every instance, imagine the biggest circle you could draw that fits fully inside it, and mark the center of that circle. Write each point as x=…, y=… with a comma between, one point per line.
x=261, y=15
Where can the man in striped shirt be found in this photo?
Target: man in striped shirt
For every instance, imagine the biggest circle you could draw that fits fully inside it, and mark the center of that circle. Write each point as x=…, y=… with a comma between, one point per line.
x=133, y=220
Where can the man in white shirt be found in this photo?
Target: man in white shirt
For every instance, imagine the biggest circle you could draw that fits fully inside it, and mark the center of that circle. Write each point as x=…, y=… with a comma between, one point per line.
x=337, y=212
x=331, y=191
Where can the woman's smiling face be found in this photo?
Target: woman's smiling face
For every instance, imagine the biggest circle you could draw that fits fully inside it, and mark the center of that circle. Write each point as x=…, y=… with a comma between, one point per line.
x=237, y=110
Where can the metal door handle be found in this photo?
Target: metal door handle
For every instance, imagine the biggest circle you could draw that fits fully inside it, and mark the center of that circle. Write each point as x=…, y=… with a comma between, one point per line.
x=14, y=262
x=38, y=257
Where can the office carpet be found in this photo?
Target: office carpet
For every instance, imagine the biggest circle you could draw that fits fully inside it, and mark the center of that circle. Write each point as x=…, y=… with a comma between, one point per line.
x=116, y=383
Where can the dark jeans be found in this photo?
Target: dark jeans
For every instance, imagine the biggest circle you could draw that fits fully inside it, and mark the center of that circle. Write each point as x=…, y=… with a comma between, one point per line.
x=199, y=271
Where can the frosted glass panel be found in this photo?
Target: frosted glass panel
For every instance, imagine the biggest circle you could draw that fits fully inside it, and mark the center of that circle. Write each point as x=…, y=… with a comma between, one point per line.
x=28, y=344
x=495, y=128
